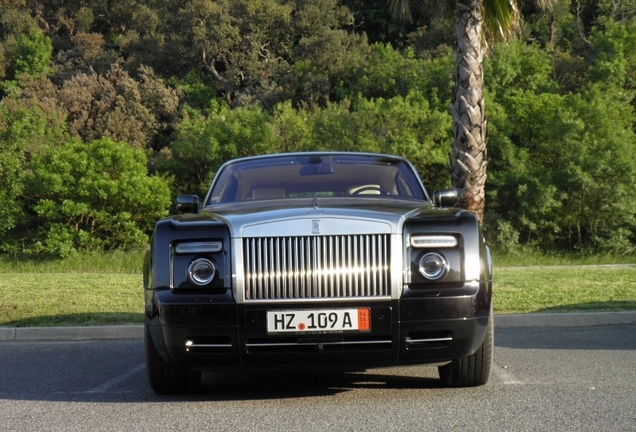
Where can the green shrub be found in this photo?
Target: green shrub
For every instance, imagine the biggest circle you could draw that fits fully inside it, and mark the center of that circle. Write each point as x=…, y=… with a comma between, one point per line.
x=95, y=196
x=23, y=133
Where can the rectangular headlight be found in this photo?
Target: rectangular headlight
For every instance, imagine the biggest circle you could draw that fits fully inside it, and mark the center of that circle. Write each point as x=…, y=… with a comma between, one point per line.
x=433, y=241
x=198, y=247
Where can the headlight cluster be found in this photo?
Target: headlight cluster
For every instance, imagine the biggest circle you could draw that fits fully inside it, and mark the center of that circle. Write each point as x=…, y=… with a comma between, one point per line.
x=201, y=271
x=198, y=258
x=433, y=265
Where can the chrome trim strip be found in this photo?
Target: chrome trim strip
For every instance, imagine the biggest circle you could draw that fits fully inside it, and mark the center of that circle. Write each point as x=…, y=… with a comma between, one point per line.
x=255, y=345
x=397, y=266
x=193, y=345
x=319, y=300
x=238, y=274
x=190, y=345
x=171, y=266
x=415, y=341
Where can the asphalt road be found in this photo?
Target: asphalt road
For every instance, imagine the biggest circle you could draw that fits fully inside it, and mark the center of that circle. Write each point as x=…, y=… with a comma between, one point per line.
x=559, y=378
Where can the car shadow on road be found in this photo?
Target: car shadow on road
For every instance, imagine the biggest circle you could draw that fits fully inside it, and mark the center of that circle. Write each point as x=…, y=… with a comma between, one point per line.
x=282, y=385
x=250, y=386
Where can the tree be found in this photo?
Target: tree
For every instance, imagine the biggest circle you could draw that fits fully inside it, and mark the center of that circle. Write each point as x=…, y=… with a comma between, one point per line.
x=25, y=131
x=204, y=140
x=91, y=196
x=142, y=112
x=32, y=54
x=468, y=161
x=555, y=180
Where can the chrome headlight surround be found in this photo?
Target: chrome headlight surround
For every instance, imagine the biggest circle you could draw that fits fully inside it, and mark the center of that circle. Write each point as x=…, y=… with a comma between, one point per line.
x=201, y=272
x=433, y=266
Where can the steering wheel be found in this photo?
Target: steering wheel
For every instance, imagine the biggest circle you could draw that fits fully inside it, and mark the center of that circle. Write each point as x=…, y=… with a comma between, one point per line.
x=371, y=188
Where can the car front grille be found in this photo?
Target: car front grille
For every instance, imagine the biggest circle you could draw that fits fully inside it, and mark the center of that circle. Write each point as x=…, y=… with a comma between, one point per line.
x=317, y=267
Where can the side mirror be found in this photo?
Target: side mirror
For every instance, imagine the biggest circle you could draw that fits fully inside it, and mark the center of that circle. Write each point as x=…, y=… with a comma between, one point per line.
x=188, y=204
x=445, y=198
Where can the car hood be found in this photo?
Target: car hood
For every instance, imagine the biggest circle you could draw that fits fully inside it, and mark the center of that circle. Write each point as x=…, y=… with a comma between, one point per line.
x=322, y=216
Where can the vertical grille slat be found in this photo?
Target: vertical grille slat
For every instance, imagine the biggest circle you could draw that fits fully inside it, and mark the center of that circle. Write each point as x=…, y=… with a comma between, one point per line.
x=316, y=267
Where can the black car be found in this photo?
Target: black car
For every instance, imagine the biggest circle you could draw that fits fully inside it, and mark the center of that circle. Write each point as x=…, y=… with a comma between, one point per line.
x=313, y=261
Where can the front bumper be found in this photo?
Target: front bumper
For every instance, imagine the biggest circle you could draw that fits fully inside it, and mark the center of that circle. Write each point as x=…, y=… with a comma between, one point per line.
x=212, y=332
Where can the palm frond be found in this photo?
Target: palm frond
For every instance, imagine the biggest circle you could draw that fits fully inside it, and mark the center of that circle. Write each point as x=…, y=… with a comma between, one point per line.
x=501, y=18
x=401, y=10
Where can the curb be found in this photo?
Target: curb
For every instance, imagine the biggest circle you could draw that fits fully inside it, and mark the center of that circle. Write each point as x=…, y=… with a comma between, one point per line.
x=26, y=334
x=59, y=334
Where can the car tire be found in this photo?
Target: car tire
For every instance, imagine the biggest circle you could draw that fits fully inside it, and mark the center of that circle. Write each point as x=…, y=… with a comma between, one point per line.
x=166, y=378
x=473, y=370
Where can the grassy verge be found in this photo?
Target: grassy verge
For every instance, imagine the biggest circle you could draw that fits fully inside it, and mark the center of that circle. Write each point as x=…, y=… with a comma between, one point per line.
x=106, y=289
x=531, y=258
x=564, y=289
x=91, y=289
x=70, y=299
x=108, y=262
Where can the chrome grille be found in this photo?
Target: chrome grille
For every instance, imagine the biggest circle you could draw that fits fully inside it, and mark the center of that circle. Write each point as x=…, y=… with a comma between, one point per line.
x=317, y=267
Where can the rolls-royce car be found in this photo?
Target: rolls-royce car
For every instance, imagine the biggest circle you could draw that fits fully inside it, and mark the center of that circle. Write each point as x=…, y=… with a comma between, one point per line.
x=314, y=261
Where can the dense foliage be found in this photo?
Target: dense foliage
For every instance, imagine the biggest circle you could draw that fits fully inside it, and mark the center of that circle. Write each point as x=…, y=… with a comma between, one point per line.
x=110, y=109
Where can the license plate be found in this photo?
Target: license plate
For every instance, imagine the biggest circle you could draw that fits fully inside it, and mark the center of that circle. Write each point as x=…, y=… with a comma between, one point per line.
x=319, y=321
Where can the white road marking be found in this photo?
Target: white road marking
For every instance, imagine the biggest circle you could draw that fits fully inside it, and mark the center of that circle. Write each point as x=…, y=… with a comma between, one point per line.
x=103, y=388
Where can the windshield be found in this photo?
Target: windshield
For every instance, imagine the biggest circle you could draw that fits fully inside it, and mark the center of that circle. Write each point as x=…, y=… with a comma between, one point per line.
x=315, y=175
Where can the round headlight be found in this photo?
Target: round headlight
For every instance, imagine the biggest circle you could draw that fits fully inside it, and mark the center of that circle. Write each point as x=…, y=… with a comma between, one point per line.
x=201, y=271
x=433, y=266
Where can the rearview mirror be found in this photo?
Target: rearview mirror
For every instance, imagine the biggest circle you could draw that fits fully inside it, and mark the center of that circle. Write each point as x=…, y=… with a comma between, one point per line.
x=316, y=169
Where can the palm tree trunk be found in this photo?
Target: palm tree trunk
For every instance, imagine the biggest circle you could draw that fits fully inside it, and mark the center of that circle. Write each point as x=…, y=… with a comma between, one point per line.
x=468, y=160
